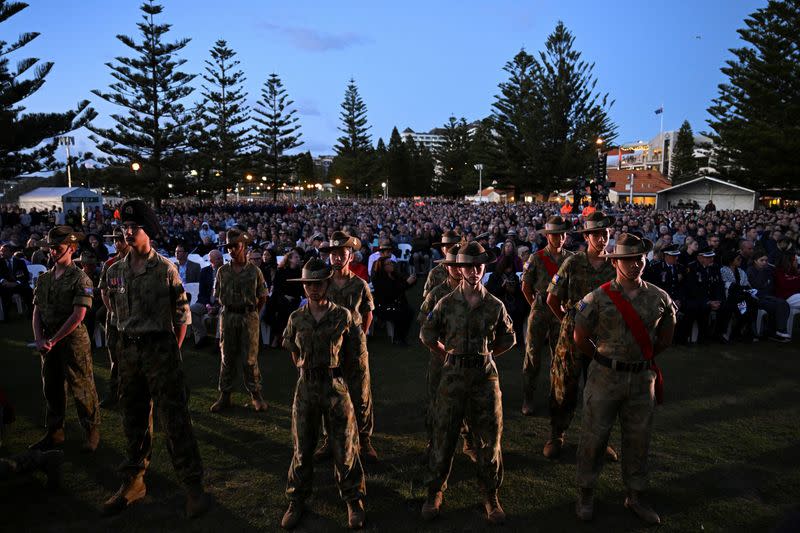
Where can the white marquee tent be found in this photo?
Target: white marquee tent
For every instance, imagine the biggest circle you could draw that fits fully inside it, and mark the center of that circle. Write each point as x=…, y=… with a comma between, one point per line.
x=724, y=195
x=64, y=197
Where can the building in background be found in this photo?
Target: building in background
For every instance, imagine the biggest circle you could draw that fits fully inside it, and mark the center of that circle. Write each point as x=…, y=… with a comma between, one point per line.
x=647, y=183
x=641, y=155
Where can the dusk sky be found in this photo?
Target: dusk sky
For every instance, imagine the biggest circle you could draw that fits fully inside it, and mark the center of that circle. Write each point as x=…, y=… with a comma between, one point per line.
x=415, y=63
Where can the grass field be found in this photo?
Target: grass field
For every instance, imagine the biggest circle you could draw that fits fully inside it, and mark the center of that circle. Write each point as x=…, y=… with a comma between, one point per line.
x=725, y=454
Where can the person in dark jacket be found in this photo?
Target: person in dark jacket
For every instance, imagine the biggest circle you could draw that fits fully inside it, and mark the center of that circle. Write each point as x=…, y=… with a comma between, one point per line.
x=389, y=293
x=505, y=285
x=704, y=291
x=285, y=296
x=762, y=278
x=14, y=279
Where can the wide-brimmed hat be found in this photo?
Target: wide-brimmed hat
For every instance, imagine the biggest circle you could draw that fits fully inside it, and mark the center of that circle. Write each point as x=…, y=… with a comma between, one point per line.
x=138, y=212
x=595, y=222
x=556, y=224
x=87, y=258
x=629, y=245
x=340, y=239
x=63, y=234
x=451, y=255
x=474, y=253
x=118, y=233
x=483, y=236
x=314, y=270
x=449, y=237
x=235, y=236
x=672, y=249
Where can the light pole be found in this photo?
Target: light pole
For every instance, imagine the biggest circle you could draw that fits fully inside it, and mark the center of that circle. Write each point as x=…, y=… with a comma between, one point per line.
x=66, y=142
x=385, y=190
x=135, y=166
x=479, y=168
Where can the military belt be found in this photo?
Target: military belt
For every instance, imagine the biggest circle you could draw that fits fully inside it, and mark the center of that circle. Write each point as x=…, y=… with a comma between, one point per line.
x=320, y=372
x=469, y=360
x=143, y=338
x=240, y=309
x=622, y=366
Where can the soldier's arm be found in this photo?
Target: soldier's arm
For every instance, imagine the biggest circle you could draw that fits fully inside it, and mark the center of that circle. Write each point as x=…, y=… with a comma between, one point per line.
x=182, y=316
x=261, y=290
x=557, y=290
x=367, y=305
x=505, y=337
x=38, y=332
x=74, y=320
x=289, y=342
x=528, y=281
x=585, y=323
x=103, y=287
x=429, y=333
x=666, y=328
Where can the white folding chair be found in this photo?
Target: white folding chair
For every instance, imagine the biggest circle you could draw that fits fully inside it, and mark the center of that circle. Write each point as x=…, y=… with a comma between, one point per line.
x=193, y=290
x=36, y=271
x=405, y=252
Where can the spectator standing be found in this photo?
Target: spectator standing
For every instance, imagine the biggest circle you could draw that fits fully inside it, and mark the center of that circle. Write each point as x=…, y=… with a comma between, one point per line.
x=389, y=293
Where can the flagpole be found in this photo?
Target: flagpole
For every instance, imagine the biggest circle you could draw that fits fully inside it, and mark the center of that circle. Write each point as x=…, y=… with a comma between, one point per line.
x=661, y=135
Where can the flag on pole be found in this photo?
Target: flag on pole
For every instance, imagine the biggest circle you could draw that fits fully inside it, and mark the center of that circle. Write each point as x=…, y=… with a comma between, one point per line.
x=660, y=110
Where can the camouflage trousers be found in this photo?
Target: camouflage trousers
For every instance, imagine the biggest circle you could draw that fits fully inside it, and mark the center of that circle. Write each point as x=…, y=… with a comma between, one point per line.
x=112, y=336
x=239, y=346
x=543, y=328
x=70, y=362
x=321, y=396
x=432, y=382
x=150, y=373
x=565, y=374
x=472, y=394
x=607, y=395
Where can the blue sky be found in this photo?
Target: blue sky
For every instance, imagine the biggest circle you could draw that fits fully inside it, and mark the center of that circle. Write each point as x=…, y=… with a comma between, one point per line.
x=415, y=63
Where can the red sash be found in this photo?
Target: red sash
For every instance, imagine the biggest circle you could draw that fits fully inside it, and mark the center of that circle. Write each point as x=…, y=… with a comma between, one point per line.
x=552, y=268
x=636, y=327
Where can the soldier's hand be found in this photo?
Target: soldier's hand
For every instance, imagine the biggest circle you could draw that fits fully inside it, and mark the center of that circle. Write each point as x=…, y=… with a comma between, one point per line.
x=44, y=346
x=411, y=279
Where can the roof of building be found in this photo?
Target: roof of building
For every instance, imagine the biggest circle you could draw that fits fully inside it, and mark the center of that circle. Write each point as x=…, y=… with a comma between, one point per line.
x=644, y=181
x=408, y=130
x=53, y=192
x=708, y=178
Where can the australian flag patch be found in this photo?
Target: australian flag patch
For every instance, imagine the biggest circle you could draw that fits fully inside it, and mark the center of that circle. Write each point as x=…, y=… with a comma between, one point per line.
x=581, y=306
x=555, y=279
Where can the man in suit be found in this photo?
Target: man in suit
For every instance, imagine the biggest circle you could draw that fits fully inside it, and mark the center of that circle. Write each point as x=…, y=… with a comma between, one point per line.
x=14, y=279
x=206, y=303
x=189, y=270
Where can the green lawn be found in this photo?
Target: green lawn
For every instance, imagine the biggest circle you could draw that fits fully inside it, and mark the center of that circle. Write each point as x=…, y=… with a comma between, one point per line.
x=724, y=454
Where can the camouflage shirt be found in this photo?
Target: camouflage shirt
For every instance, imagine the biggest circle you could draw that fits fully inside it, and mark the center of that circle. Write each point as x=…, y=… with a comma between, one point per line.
x=354, y=296
x=465, y=330
x=151, y=302
x=436, y=277
x=577, y=277
x=57, y=298
x=537, y=277
x=433, y=297
x=246, y=287
x=600, y=317
x=331, y=342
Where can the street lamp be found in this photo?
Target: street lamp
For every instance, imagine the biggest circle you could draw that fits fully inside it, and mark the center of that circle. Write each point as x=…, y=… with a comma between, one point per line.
x=66, y=142
x=479, y=168
x=385, y=190
x=338, y=181
x=135, y=166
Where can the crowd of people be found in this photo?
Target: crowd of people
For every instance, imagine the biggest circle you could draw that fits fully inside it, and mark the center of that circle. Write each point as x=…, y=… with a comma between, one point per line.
x=286, y=234
x=315, y=274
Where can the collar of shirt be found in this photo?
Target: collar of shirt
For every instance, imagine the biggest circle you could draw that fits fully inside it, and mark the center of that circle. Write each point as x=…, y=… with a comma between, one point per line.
x=459, y=293
x=151, y=261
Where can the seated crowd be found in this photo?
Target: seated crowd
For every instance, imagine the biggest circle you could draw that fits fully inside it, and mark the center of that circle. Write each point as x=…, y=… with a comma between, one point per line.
x=721, y=267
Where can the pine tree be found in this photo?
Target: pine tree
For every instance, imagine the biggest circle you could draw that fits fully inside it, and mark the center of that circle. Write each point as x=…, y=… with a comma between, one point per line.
x=277, y=132
x=517, y=120
x=354, y=159
x=398, y=165
x=22, y=134
x=150, y=87
x=219, y=134
x=484, y=149
x=684, y=165
x=756, y=113
x=454, y=157
x=575, y=115
x=423, y=168
x=305, y=168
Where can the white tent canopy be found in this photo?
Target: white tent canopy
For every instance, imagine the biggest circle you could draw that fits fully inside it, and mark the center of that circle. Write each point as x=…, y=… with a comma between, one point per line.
x=724, y=195
x=64, y=197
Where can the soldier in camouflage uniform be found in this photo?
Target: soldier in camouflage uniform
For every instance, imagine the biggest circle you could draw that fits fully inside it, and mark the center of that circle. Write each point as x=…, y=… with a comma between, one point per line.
x=351, y=292
x=240, y=289
x=438, y=274
x=61, y=299
x=322, y=338
x=152, y=313
x=111, y=321
x=543, y=325
x=622, y=378
x=467, y=329
x=579, y=275
x=435, y=364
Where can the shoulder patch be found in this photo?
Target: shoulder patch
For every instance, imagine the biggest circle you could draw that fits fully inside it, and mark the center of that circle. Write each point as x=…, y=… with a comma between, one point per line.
x=89, y=291
x=581, y=306
x=555, y=279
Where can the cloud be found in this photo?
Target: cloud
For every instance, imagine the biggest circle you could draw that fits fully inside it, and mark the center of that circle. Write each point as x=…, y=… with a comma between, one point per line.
x=314, y=40
x=308, y=108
